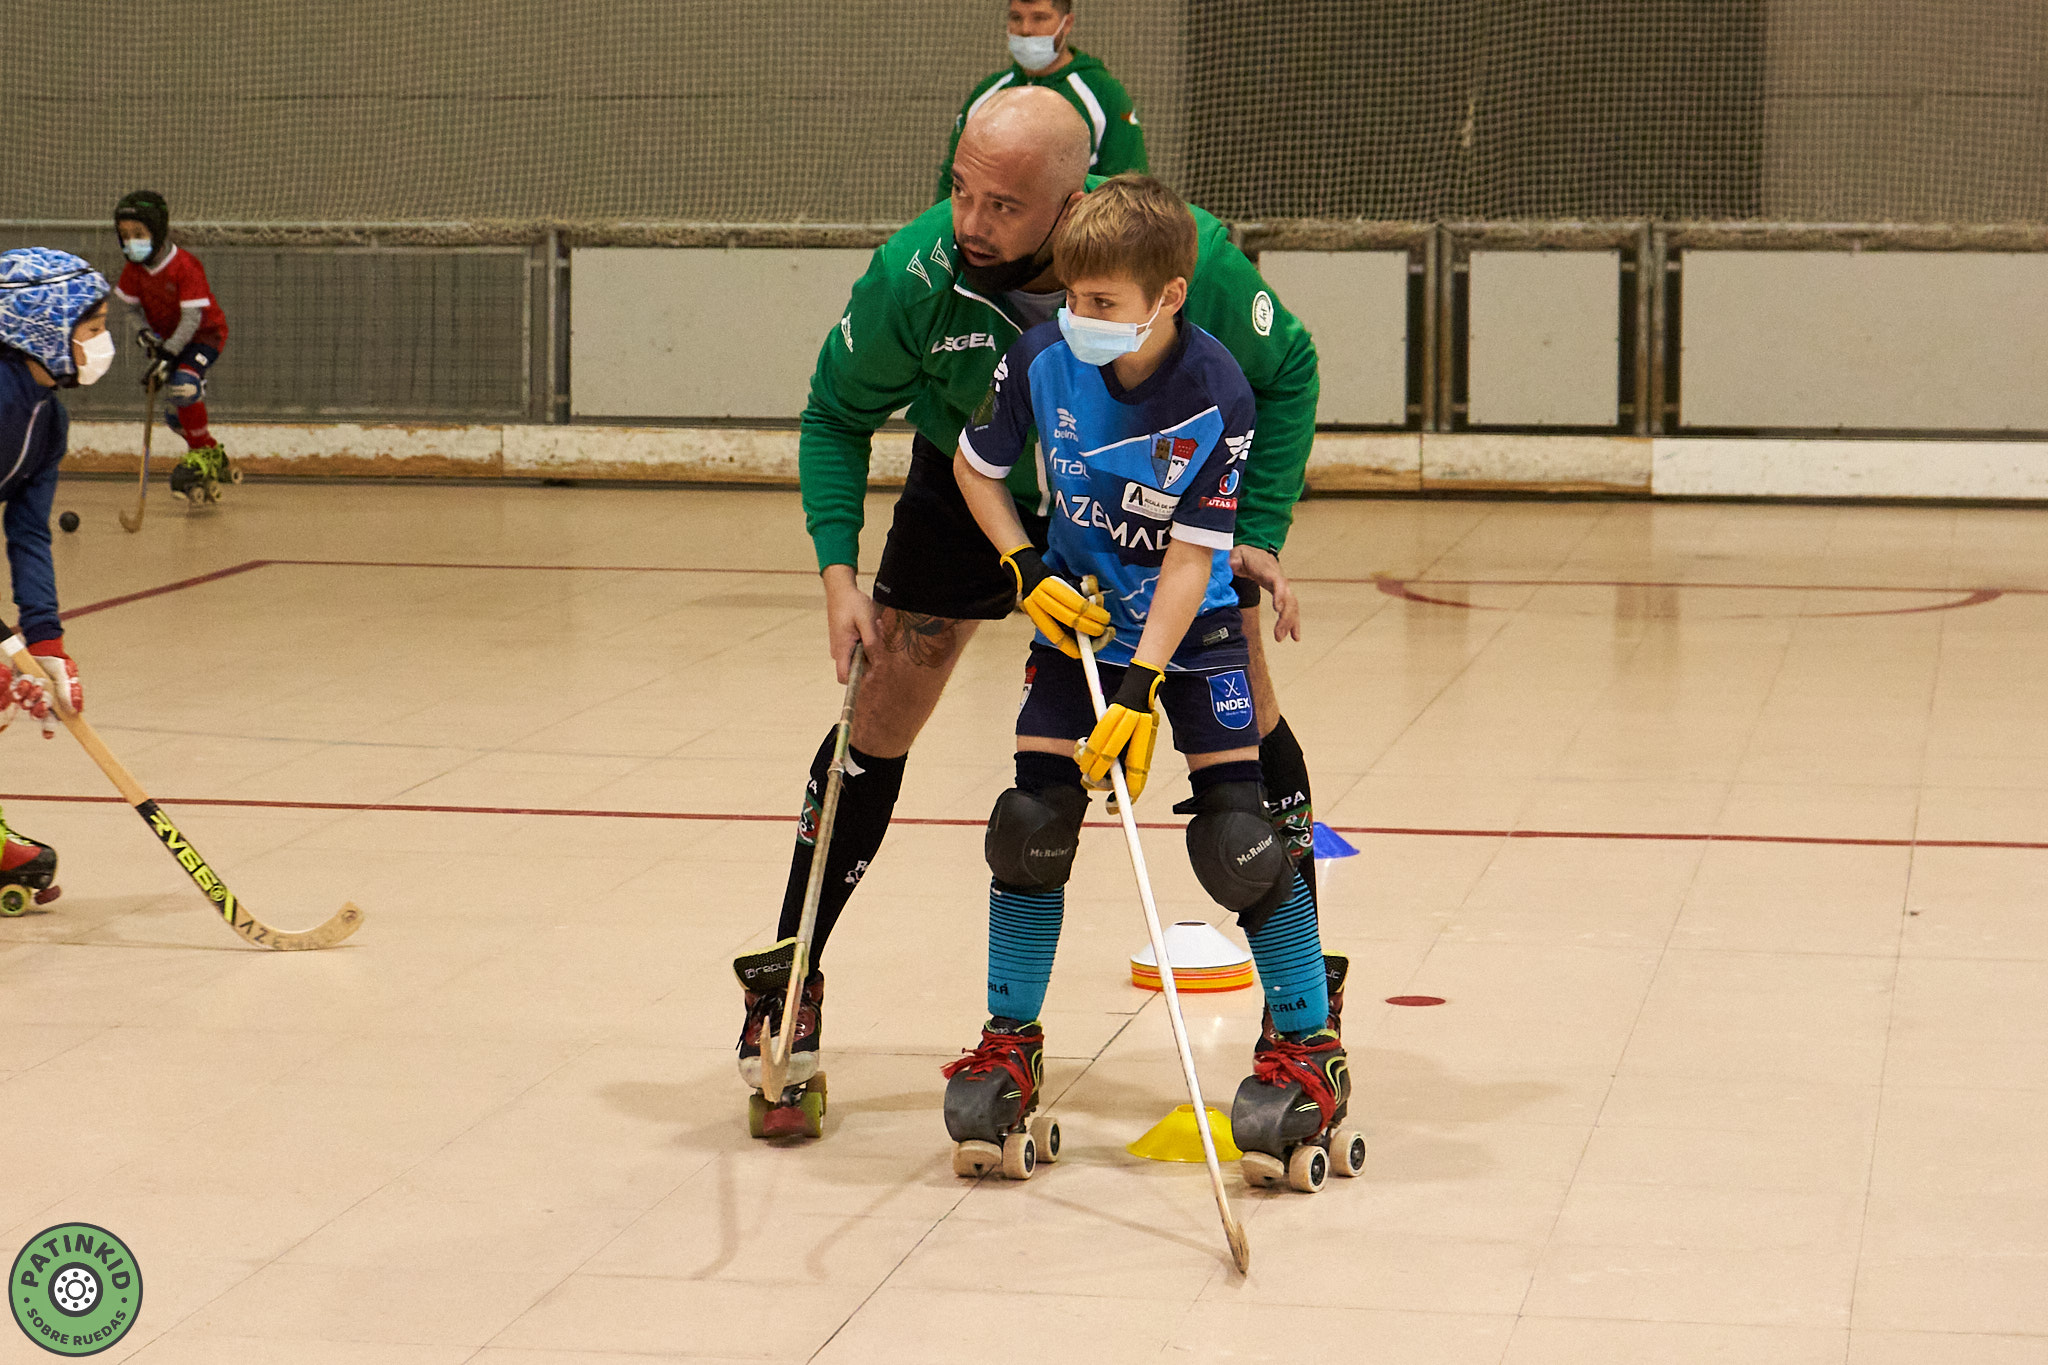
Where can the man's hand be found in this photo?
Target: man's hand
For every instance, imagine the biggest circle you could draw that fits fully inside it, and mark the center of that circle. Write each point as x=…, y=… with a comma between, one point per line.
x=1263, y=568
x=1054, y=605
x=849, y=615
x=1129, y=727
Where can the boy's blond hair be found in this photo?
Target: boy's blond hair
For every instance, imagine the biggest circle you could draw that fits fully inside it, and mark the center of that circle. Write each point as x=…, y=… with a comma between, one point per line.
x=1133, y=227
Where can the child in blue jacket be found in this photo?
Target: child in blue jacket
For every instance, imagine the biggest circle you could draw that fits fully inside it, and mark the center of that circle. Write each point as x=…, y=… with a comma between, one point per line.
x=53, y=335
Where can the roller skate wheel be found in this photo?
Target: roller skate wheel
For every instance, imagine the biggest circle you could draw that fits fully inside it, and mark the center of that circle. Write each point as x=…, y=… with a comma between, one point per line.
x=974, y=1159
x=1045, y=1131
x=1347, y=1152
x=757, y=1115
x=1020, y=1156
x=812, y=1107
x=1308, y=1168
x=1262, y=1171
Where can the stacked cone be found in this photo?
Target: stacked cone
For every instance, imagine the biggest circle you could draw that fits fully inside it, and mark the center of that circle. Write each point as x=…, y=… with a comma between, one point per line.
x=1202, y=959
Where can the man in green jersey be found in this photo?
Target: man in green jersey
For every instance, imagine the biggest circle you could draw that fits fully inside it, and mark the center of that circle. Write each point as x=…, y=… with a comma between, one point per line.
x=941, y=302
x=1042, y=53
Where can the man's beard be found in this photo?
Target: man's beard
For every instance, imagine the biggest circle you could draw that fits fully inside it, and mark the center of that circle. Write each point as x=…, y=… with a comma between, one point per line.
x=1005, y=276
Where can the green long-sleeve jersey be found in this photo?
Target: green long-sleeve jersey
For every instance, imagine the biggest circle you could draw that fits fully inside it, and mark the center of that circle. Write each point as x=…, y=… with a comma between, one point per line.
x=1115, y=141
x=916, y=335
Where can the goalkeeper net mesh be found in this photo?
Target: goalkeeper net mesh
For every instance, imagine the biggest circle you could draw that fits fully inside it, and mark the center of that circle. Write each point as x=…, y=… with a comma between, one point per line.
x=595, y=112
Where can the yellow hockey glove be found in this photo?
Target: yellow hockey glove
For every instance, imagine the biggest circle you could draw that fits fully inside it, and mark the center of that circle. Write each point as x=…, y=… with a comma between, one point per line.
x=1054, y=605
x=1128, y=729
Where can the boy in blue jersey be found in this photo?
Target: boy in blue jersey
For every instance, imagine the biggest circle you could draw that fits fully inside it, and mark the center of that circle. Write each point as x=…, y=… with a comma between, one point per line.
x=1143, y=424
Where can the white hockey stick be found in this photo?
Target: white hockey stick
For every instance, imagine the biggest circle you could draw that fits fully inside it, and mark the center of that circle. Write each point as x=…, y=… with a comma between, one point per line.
x=775, y=1050
x=1233, y=1231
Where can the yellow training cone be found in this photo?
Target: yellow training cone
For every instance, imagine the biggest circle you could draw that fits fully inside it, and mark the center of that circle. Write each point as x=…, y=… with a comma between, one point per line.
x=1175, y=1138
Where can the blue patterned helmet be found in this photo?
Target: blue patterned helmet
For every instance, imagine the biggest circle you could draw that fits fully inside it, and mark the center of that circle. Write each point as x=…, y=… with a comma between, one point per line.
x=43, y=294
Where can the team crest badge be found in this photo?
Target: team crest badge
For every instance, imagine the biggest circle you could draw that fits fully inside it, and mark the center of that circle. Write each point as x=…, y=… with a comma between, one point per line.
x=1170, y=457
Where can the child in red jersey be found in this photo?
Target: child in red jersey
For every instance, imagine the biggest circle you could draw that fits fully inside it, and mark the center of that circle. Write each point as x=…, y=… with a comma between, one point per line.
x=183, y=330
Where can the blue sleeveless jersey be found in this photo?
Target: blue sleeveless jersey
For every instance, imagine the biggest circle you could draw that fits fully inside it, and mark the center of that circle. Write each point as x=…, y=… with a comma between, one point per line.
x=1129, y=470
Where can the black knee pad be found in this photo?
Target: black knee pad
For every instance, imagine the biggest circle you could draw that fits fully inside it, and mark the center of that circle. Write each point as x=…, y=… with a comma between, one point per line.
x=1236, y=854
x=1032, y=836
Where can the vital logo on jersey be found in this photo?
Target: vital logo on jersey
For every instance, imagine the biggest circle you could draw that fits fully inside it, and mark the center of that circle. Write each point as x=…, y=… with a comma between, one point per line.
x=1171, y=456
x=1230, y=695
x=1262, y=314
x=1228, y=487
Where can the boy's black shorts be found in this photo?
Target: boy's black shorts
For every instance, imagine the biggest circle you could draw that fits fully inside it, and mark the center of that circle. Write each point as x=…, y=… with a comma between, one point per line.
x=1209, y=705
x=937, y=562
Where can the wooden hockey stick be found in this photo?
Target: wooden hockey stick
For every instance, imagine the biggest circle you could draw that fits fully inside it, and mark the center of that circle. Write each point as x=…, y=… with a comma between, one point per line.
x=345, y=921
x=775, y=1050
x=148, y=426
x=1233, y=1231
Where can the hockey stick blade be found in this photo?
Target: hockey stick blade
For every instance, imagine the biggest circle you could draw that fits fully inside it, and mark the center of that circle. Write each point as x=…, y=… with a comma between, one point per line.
x=775, y=1049
x=344, y=921
x=142, y=495
x=1233, y=1230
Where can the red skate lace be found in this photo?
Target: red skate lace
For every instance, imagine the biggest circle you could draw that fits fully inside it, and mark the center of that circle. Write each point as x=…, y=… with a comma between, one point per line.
x=1286, y=1060
x=998, y=1052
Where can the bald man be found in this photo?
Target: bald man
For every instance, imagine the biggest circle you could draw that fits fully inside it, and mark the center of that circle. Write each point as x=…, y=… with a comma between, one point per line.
x=940, y=304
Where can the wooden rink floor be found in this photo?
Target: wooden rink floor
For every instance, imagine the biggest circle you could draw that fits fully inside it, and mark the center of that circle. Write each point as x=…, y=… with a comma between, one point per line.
x=1721, y=829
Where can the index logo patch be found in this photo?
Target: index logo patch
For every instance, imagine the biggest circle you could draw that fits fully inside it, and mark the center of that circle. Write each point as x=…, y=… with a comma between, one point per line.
x=1262, y=314
x=1230, y=696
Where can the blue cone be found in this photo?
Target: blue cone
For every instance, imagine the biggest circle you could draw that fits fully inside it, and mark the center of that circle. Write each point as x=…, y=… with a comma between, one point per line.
x=1331, y=844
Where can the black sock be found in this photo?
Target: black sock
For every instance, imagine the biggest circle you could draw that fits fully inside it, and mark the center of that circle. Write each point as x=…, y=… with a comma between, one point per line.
x=867, y=798
x=1288, y=799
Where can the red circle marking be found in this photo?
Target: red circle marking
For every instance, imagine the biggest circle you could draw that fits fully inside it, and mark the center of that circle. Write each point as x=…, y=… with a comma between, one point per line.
x=1415, y=1000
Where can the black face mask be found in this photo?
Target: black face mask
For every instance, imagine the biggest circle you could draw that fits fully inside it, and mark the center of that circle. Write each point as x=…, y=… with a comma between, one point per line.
x=1004, y=276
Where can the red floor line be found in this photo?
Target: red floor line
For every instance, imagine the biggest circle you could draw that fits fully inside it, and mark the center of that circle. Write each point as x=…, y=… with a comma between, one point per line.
x=734, y=817
x=178, y=586
x=1396, y=581
x=531, y=568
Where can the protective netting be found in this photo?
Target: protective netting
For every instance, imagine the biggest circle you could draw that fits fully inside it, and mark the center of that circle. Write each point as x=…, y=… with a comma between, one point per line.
x=836, y=111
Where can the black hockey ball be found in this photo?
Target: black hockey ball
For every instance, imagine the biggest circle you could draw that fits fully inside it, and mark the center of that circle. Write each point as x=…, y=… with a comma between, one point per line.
x=69, y=521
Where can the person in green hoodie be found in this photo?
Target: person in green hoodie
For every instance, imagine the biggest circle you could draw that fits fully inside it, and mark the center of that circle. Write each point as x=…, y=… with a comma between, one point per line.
x=941, y=302
x=1042, y=53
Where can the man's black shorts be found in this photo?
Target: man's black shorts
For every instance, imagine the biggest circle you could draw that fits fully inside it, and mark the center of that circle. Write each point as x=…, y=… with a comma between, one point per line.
x=937, y=562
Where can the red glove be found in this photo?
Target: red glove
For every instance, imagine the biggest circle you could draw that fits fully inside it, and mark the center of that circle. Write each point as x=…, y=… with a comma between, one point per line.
x=64, y=673
x=19, y=693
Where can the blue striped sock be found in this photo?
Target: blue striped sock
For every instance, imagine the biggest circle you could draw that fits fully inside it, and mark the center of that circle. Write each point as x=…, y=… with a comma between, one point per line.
x=1023, y=935
x=1289, y=954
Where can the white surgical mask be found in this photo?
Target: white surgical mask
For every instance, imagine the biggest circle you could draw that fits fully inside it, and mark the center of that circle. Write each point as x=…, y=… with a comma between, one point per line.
x=99, y=355
x=1096, y=342
x=1037, y=53
x=137, y=249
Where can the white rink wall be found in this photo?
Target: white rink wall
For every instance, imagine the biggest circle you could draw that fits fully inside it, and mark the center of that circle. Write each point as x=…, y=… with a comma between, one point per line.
x=1371, y=462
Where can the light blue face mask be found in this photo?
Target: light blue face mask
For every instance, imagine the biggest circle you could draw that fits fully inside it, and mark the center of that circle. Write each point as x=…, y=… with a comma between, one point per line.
x=1096, y=342
x=1035, y=53
x=137, y=249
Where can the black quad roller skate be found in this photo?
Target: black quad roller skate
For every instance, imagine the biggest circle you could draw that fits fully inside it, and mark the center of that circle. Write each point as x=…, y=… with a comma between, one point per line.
x=799, y=1111
x=197, y=478
x=1288, y=1117
x=28, y=872
x=991, y=1094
